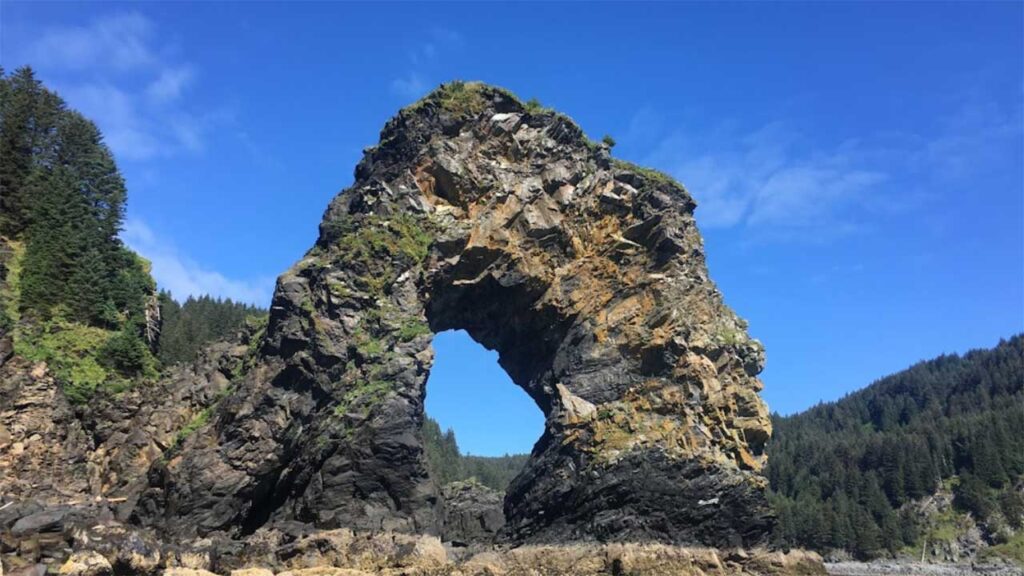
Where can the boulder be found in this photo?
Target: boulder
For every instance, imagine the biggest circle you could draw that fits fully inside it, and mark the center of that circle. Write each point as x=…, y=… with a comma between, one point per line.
x=252, y=572
x=325, y=571
x=473, y=513
x=29, y=570
x=87, y=563
x=51, y=520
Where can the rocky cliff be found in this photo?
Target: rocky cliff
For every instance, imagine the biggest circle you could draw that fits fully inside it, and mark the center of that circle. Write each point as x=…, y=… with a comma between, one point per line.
x=586, y=274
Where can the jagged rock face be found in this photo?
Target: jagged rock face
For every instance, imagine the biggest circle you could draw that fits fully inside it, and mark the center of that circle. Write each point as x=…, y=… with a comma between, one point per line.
x=586, y=274
x=52, y=451
x=473, y=513
x=43, y=448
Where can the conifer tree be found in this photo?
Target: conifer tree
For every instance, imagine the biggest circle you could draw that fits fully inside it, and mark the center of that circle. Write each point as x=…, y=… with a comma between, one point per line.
x=62, y=196
x=20, y=130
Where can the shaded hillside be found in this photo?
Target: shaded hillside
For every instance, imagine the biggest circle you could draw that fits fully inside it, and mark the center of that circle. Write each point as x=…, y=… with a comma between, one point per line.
x=447, y=464
x=844, y=474
x=199, y=321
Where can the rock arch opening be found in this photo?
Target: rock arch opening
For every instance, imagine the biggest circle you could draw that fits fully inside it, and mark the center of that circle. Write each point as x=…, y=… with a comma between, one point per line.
x=478, y=433
x=470, y=393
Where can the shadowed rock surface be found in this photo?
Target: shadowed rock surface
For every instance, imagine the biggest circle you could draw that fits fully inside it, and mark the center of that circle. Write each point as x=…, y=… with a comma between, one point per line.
x=586, y=274
x=473, y=513
x=72, y=547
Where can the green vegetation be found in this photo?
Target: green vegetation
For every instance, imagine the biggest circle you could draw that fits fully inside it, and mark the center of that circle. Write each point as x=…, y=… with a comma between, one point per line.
x=366, y=395
x=124, y=353
x=374, y=237
x=204, y=415
x=841, y=472
x=197, y=422
x=728, y=335
x=384, y=320
x=447, y=464
x=375, y=248
x=410, y=328
x=945, y=526
x=86, y=359
x=458, y=97
x=461, y=97
x=199, y=321
x=10, y=285
x=256, y=327
x=608, y=141
x=533, y=106
x=1012, y=549
x=649, y=173
x=73, y=295
x=369, y=347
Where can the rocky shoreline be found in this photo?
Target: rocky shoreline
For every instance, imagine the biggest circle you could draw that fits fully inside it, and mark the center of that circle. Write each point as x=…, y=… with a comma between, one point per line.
x=893, y=568
x=87, y=539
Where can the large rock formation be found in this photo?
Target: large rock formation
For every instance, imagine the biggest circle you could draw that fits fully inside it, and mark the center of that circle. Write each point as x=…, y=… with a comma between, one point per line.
x=586, y=274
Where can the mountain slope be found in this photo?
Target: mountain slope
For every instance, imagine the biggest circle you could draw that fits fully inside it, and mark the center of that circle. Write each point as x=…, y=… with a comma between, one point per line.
x=852, y=474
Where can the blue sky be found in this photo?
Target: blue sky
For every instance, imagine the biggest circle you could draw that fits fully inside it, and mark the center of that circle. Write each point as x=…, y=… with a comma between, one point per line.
x=858, y=166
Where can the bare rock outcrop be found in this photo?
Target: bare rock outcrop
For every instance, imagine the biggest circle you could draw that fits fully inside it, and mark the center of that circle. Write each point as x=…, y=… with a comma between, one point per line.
x=44, y=448
x=53, y=451
x=473, y=513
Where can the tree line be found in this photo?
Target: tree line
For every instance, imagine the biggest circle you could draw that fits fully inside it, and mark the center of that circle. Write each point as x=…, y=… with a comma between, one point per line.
x=447, y=464
x=73, y=294
x=61, y=193
x=842, y=473
x=187, y=327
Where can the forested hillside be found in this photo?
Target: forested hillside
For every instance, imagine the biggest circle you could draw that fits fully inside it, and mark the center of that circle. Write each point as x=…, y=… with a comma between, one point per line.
x=199, y=321
x=447, y=464
x=844, y=474
x=72, y=295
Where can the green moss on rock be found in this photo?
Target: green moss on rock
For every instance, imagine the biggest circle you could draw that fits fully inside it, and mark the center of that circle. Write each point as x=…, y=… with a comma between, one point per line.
x=79, y=356
x=649, y=173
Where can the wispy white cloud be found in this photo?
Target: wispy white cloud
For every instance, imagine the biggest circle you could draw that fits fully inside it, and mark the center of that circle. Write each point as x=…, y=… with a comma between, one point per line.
x=116, y=71
x=773, y=182
x=128, y=132
x=171, y=82
x=120, y=42
x=134, y=130
x=184, y=277
x=972, y=137
x=760, y=179
x=809, y=194
x=410, y=86
x=425, y=60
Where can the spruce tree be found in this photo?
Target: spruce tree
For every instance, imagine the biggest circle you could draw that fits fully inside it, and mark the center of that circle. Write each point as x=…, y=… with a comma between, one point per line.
x=20, y=100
